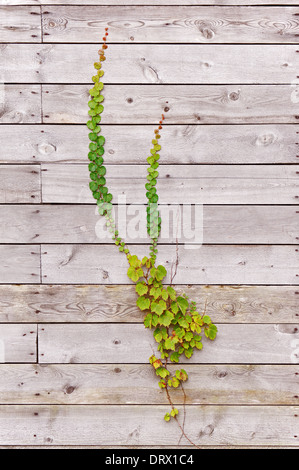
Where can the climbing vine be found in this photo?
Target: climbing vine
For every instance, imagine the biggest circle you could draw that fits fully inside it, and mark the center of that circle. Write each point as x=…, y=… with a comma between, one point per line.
x=178, y=327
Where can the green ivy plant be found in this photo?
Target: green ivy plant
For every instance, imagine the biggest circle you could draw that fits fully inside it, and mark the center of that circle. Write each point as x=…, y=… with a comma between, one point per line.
x=178, y=326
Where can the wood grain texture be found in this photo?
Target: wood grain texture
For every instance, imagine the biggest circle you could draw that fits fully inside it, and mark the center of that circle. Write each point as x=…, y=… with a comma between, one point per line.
x=20, y=184
x=125, y=343
x=117, y=303
x=181, y=104
x=18, y=343
x=20, y=104
x=206, y=264
x=159, y=64
x=58, y=223
x=186, y=184
x=187, y=144
x=225, y=78
x=100, y=303
x=19, y=264
x=20, y=25
x=143, y=425
x=152, y=2
x=185, y=24
x=94, y=384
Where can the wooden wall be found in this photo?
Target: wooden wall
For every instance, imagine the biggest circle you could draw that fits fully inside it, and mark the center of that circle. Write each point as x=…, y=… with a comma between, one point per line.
x=73, y=348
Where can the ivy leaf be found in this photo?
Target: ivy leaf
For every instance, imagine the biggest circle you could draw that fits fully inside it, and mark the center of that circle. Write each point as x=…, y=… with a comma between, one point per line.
x=160, y=272
x=141, y=288
x=174, y=307
x=162, y=372
x=148, y=320
x=155, y=362
x=99, y=99
x=183, y=322
x=93, y=186
x=211, y=332
x=183, y=304
x=206, y=319
x=171, y=292
x=181, y=375
x=162, y=384
x=101, y=140
x=158, y=335
x=132, y=274
x=92, y=104
x=188, y=336
x=170, y=344
x=93, y=146
x=143, y=303
x=91, y=125
x=134, y=261
x=155, y=292
x=175, y=382
x=99, y=109
x=188, y=352
x=175, y=357
x=166, y=318
x=167, y=417
x=158, y=307
x=164, y=294
x=174, y=412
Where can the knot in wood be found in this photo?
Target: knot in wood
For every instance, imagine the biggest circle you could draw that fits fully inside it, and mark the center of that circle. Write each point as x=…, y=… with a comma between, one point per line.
x=234, y=96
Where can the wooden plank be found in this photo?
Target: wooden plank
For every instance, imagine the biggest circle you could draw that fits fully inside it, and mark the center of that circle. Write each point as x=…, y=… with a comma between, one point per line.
x=19, y=264
x=125, y=343
x=273, y=143
x=203, y=264
x=186, y=24
x=20, y=184
x=181, y=104
x=114, y=384
x=18, y=343
x=58, y=223
x=152, y=2
x=20, y=104
x=186, y=184
x=22, y=24
x=117, y=303
x=143, y=425
x=161, y=64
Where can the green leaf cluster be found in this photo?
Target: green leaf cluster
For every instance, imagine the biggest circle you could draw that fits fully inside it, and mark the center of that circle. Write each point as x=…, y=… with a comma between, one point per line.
x=153, y=215
x=178, y=326
x=98, y=184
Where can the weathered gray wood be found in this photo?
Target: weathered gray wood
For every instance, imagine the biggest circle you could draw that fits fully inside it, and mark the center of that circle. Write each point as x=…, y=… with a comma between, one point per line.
x=267, y=143
x=160, y=64
x=124, y=343
x=20, y=104
x=207, y=264
x=85, y=447
x=19, y=24
x=181, y=104
x=170, y=24
x=143, y=425
x=186, y=184
x=117, y=303
x=19, y=264
x=152, y=2
x=94, y=384
x=58, y=223
x=20, y=184
x=17, y=343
